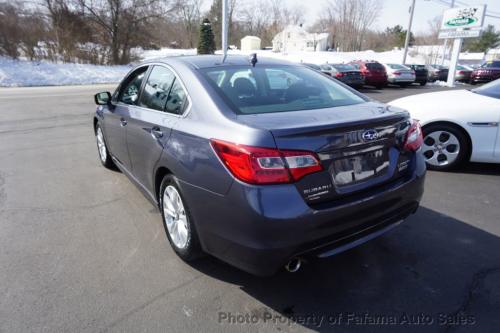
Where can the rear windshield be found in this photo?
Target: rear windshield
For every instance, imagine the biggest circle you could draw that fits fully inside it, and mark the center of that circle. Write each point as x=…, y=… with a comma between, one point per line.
x=491, y=89
x=374, y=65
x=313, y=66
x=396, y=66
x=265, y=89
x=343, y=67
x=491, y=64
x=418, y=67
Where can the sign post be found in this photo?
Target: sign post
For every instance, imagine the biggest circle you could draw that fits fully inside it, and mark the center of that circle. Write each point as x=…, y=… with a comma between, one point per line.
x=224, y=29
x=459, y=23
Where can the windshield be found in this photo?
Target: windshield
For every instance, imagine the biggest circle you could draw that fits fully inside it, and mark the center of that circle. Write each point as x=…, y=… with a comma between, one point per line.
x=396, y=66
x=265, y=89
x=343, y=67
x=491, y=64
x=418, y=67
x=491, y=89
x=374, y=65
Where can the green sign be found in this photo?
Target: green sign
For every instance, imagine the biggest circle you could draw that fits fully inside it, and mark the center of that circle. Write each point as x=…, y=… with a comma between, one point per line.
x=460, y=22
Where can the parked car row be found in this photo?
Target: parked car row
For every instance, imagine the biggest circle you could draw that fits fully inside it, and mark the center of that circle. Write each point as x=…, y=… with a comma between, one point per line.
x=372, y=73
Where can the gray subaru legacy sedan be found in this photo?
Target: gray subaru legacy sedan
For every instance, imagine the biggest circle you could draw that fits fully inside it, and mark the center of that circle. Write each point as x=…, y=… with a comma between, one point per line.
x=260, y=163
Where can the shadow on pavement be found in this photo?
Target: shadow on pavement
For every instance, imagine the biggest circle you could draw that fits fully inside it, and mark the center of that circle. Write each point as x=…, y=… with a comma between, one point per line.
x=441, y=273
x=491, y=169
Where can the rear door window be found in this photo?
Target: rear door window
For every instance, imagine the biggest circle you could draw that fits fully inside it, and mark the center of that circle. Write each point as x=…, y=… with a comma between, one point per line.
x=157, y=88
x=131, y=87
x=177, y=99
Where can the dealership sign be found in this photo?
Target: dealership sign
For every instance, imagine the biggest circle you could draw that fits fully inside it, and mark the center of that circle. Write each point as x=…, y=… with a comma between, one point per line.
x=463, y=17
x=445, y=34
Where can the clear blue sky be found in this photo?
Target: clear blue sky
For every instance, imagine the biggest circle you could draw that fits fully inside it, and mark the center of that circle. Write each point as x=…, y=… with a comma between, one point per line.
x=396, y=12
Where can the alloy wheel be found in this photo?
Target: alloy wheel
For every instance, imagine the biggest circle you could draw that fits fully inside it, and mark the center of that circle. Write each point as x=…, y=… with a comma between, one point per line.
x=101, y=146
x=441, y=148
x=175, y=217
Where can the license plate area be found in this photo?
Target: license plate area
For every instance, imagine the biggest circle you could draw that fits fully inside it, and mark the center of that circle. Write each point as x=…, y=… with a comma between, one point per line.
x=357, y=168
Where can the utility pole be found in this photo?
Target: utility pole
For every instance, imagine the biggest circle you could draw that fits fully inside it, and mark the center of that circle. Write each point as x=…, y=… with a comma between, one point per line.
x=408, y=31
x=224, y=29
x=446, y=41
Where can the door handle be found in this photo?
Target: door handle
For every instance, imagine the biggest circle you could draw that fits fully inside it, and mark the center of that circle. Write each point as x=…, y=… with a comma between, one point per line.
x=123, y=122
x=156, y=132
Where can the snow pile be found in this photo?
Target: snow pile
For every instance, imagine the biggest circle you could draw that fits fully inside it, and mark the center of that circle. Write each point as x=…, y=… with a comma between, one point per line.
x=394, y=56
x=17, y=73
x=161, y=53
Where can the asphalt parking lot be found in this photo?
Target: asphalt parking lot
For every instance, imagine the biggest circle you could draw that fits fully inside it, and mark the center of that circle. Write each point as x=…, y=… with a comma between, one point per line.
x=81, y=249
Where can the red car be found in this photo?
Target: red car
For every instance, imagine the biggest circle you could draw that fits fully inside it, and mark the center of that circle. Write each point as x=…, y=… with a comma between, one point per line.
x=373, y=71
x=488, y=71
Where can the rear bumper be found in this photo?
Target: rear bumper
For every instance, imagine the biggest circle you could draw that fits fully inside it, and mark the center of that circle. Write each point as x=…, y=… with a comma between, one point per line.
x=400, y=80
x=259, y=228
x=480, y=79
x=423, y=78
x=375, y=80
x=354, y=82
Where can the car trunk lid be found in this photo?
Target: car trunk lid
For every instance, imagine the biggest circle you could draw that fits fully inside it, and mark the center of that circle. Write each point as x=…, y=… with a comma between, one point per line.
x=359, y=146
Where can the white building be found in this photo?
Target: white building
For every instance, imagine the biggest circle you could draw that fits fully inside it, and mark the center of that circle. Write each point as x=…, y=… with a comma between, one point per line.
x=296, y=38
x=250, y=43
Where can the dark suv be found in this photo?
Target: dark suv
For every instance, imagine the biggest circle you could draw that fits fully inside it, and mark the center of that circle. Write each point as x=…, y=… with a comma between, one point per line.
x=260, y=164
x=421, y=74
x=373, y=71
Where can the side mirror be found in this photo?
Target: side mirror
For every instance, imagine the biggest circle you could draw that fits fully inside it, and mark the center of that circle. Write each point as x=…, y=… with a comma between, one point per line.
x=102, y=98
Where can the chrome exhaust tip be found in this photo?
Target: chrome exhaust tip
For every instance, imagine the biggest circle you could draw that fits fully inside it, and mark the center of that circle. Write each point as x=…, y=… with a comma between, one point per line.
x=293, y=265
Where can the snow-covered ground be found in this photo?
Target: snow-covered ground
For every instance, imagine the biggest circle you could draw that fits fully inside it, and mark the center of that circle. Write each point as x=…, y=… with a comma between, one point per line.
x=15, y=73
x=394, y=56
x=161, y=53
x=19, y=73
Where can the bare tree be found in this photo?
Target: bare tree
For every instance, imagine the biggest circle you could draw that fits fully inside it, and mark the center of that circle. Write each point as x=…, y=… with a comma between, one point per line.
x=189, y=14
x=10, y=36
x=121, y=21
x=349, y=20
x=265, y=18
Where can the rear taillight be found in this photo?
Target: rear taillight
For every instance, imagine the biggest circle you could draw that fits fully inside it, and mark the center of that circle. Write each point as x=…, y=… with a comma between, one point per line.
x=257, y=165
x=397, y=73
x=339, y=74
x=461, y=72
x=414, y=138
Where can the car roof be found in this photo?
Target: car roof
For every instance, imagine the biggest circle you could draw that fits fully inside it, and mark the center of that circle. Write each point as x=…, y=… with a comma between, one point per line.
x=213, y=60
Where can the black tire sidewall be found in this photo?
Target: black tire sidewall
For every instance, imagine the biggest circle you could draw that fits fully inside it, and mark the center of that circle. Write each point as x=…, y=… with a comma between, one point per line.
x=464, y=145
x=192, y=249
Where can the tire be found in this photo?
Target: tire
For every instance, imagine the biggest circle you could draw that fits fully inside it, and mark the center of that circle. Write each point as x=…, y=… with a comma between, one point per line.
x=102, y=149
x=423, y=83
x=444, y=147
x=178, y=221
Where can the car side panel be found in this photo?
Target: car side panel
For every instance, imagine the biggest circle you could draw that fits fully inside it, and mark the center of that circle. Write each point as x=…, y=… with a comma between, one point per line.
x=115, y=131
x=147, y=135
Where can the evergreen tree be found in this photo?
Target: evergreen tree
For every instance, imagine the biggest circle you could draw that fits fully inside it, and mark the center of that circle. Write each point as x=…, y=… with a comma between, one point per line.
x=206, y=42
x=397, y=36
x=488, y=40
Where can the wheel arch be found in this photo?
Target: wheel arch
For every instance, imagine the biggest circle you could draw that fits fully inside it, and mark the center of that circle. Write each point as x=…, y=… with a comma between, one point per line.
x=160, y=173
x=96, y=121
x=458, y=127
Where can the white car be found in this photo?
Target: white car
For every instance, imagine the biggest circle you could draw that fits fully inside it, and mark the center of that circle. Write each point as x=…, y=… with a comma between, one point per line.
x=458, y=125
x=399, y=74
